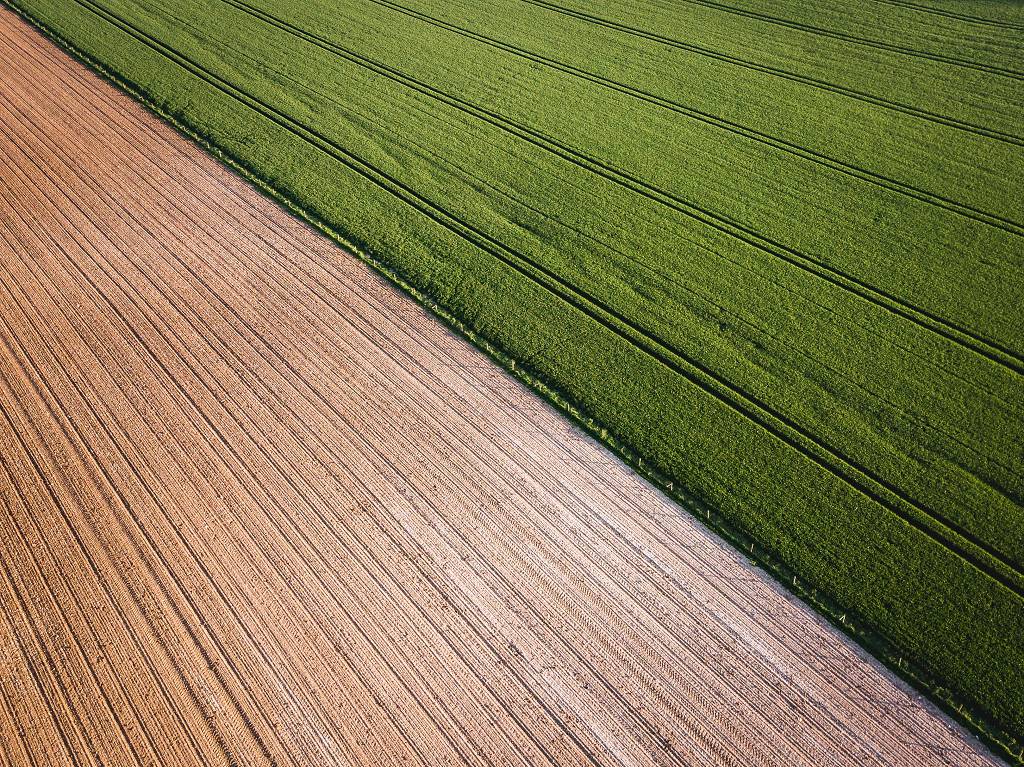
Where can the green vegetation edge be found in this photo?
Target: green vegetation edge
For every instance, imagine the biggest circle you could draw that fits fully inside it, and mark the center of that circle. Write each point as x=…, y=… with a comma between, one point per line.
x=1001, y=741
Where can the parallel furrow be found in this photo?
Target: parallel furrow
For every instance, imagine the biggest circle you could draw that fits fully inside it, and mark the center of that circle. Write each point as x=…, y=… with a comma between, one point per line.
x=68, y=626
x=296, y=437
x=286, y=473
x=405, y=557
x=326, y=329
x=944, y=531
x=75, y=437
x=44, y=675
x=251, y=480
x=315, y=280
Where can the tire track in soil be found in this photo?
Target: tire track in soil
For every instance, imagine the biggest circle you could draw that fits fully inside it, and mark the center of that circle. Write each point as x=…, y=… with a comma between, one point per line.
x=967, y=18
x=812, y=29
x=606, y=169
x=786, y=74
x=463, y=525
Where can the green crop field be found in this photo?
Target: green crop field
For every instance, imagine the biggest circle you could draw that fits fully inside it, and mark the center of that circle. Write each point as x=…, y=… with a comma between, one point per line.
x=776, y=250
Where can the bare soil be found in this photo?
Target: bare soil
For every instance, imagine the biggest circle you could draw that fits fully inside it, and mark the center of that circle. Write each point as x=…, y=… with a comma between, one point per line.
x=258, y=507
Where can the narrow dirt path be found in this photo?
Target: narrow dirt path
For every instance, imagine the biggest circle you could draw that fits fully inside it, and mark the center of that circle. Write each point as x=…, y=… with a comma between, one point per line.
x=257, y=507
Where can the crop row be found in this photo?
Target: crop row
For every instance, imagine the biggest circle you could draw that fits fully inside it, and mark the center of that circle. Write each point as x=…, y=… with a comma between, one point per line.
x=636, y=261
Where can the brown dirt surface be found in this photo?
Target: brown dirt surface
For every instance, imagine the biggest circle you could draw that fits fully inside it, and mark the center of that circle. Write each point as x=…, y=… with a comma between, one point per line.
x=258, y=507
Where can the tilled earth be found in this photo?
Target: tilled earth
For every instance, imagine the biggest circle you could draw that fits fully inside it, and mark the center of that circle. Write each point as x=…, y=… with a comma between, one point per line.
x=258, y=507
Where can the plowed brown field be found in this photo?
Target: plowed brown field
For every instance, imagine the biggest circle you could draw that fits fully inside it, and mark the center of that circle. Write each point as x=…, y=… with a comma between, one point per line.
x=259, y=508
